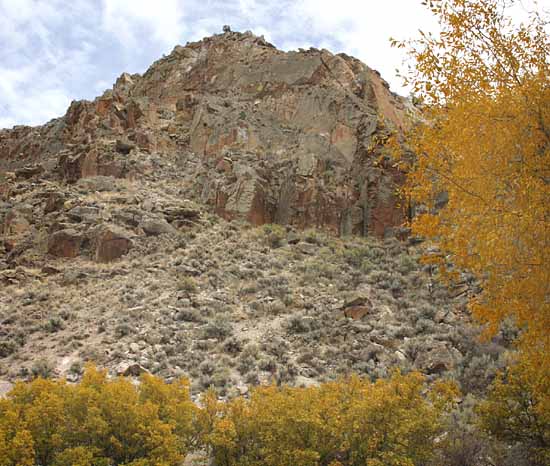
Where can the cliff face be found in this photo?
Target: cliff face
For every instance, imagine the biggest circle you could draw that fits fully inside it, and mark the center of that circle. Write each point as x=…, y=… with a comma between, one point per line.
x=250, y=131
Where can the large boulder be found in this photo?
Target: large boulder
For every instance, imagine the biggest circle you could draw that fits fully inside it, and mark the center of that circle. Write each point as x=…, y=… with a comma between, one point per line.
x=97, y=183
x=156, y=227
x=130, y=369
x=111, y=243
x=357, y=307
x=65, y=243
x=15, y=223
x=436, y=358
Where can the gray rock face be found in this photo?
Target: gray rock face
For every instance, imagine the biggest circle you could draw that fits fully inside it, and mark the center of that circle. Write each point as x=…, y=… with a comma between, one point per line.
x=155, y=227
x=437, y=358
x=97, y=183
x=262, y=135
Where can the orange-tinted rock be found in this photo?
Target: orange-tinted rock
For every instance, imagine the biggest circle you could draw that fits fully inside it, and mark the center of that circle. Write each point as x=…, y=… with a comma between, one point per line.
x=54, y=202
x=92, y=162
x=15, y=224
x=357, y=308
x=111, y=243
x=65, y=243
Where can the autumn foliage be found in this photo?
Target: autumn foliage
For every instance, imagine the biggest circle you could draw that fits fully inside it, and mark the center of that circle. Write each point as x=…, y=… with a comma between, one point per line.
x=484, y=144
x=351, y=422
x=106, y=422
x=480, y=182
x=517, y=408
x=98, y=422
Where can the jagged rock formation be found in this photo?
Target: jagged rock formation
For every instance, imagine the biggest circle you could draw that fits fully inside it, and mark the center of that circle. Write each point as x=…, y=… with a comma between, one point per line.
x=260, y=134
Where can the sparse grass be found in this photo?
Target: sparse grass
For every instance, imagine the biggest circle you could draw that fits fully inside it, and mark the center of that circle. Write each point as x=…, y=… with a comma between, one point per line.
x=264, y=298
x=7, y=347
x=123, y=330
x=275, y=235
x=76, y=368
x=298, y=324
x=188, y=285
x=54, y=324
x=189, y=315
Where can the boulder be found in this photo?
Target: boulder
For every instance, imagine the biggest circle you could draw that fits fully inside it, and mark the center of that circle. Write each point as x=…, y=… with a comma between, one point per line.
x=97, y=183
x=15, y=223
x=436, y=358
x=181, y=213
x=130, y=369
x=65, y=243
x=54, y=202
x=307, y=248
x=87, y=162
x=28, y=171
x=155, y=227
x=357, y=308
x=111, y=242
x=124, y=147
x=87, y=214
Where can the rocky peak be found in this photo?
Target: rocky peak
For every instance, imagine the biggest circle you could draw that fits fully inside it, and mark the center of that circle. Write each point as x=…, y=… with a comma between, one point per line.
x=251, y=131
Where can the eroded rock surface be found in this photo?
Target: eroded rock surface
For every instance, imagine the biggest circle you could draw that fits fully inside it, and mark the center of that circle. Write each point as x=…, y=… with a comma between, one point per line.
x=253, y=132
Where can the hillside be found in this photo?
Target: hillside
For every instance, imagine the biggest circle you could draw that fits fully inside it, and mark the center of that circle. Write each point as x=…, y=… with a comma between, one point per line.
x=138, y=230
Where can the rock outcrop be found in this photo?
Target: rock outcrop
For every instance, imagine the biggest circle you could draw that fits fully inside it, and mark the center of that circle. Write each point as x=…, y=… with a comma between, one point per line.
x=111, y=243
x=252, y=132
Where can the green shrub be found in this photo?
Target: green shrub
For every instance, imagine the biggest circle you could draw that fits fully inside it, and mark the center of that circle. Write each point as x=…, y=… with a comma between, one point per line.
x=188, y=285
x=42, y=368
x=219, y=328
x=275, y=235
x=54, y=324
x=7, y=347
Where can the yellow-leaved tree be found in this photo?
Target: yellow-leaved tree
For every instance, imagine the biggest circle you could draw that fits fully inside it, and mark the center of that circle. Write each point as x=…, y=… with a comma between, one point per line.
x=98, y=422
x=485, y=143
x=348, y=422
x=480, y=181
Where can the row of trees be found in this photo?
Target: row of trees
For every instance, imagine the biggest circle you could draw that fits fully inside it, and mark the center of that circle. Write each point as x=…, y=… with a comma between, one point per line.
x=396, y=422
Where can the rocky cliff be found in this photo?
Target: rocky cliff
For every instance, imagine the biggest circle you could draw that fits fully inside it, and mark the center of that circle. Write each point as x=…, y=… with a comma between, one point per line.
x=251, y=131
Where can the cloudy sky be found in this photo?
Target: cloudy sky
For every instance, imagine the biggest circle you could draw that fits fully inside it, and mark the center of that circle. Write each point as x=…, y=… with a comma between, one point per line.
x=54, y=51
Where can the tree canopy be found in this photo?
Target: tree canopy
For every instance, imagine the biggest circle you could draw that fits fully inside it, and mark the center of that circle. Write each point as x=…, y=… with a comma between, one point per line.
x=480, y=183
x=484, y=142
x=103, y=422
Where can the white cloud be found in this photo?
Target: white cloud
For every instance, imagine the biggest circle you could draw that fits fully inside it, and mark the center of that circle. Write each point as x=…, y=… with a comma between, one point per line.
x=126, y=19
x=54, y=51
x=39, y=61
x=21, y=104
x=363, y=29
